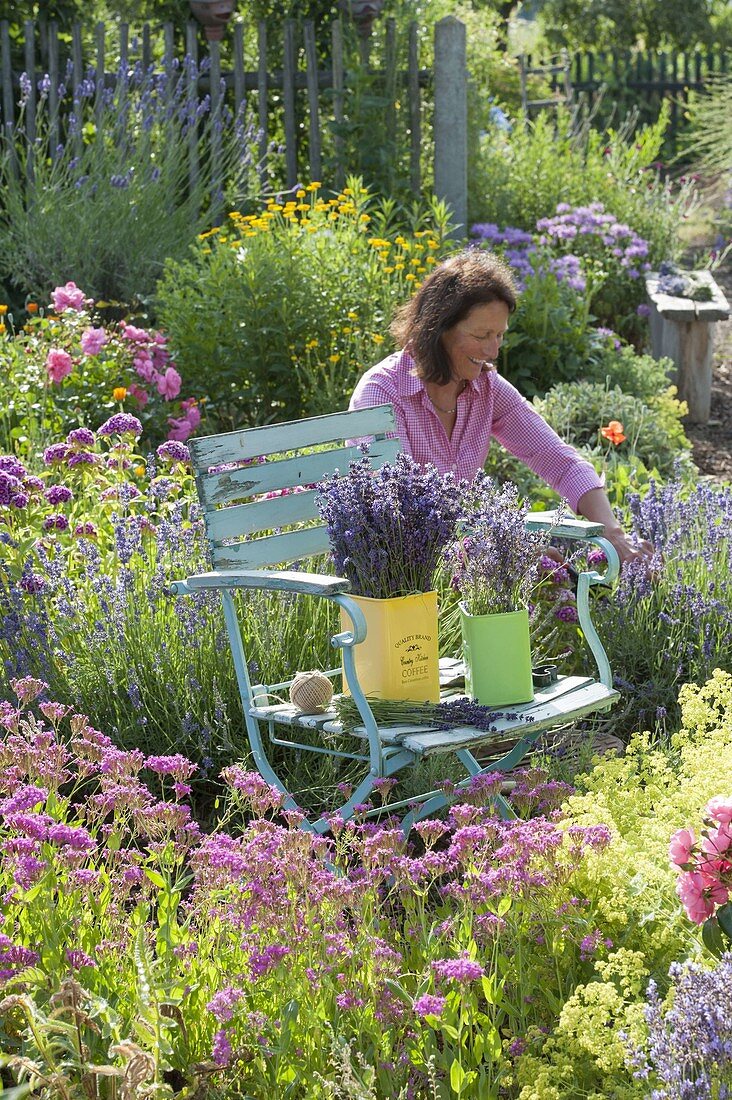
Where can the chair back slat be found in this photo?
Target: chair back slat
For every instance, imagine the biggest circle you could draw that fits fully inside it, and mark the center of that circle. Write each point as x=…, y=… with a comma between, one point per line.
x=266, y=477
x=260, y=515
x=271, y=550
x=239, y=446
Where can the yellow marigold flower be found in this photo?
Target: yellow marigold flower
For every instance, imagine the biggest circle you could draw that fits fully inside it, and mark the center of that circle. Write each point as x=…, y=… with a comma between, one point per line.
x=415, y=262
x=347, y=191
x=377, y=338
x=2, y=329
x=32, y=307
x=274, y=206
x=400, y=240
x=302, y=206
x=140, y=471
x=300, y=193
x=352, y=316
x=347, y=330
x=119, y=393
x=410, y=277
x=421, y=269
x=313, y=186
x=207, y=251
x=389, y=270
x=311, y=344
x=364, y=217
x=333, y=216
x=3, y=310
x=430, y=260
x=433, y=244
x=333, y=358
x=398, y=267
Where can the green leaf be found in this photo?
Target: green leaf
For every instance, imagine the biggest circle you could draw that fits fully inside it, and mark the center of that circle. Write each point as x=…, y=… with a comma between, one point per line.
x=724, y=917
x=712, y=937
x=155, y=877
x=457, y=1077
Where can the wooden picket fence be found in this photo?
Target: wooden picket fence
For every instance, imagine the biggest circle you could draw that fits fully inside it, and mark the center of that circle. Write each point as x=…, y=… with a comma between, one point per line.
x=625, y=79
x=301, y=100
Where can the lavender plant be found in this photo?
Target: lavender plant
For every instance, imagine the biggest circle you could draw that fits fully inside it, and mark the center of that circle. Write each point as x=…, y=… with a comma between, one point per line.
x=689, y=1050
x=112, y=183
x=388, y=527
x=673, y=624
x=495, y=562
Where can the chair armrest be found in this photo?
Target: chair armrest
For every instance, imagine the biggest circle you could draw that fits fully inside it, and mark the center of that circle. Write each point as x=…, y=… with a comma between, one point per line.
x=568, y=528
x=310, y=584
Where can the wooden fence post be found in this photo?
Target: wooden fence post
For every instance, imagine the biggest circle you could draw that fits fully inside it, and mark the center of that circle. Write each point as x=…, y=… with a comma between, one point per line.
x=451, y=120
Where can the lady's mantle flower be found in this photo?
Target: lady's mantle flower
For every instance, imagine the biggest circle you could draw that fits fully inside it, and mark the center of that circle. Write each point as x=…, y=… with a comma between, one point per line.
x=67, y=297
x=93, y=340
x=121, y=424
x=58, y=364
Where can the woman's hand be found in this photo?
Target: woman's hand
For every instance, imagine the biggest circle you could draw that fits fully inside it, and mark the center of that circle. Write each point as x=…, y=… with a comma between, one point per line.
x=629, y=550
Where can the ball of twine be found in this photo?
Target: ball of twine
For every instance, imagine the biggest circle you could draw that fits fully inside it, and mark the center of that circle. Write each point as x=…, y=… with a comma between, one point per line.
x=311, y=692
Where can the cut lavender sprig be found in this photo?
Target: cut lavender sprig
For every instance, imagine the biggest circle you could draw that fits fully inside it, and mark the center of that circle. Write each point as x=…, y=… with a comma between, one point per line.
x=460, y=711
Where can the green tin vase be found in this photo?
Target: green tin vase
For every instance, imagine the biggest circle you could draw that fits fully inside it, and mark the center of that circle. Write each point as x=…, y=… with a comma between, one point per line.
x=497, y=655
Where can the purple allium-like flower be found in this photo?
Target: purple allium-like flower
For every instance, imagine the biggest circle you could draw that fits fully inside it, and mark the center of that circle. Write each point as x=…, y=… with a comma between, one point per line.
x=32, y=583
x=80, y=437
x=77, y=958
x=57, y=522
x=9, y=487
x=643, y=310
x=10, y=465
x=121, y=424
x=83, y=458
x=85, y=530
x=567, y=614
x=58, y=494
x=57, y=452
x=463, y=969
x=174, y=451
x=429, y=1004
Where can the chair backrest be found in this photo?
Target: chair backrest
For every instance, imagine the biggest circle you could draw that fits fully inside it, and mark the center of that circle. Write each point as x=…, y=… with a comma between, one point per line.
x=274, y=469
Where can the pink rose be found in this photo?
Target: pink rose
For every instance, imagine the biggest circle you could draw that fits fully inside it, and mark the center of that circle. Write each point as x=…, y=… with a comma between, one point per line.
x=180, y=428
x=720, y=809
x=144, y=367
x=67, y=297
x=58, y=364
x=192, y=412
x=717, y=841
x=93, y=340
x=680, y=847
x=169, y=384
x=690, y=889
x=140, y=395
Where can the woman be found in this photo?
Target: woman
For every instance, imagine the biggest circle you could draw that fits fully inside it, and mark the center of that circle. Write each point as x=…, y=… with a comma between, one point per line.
x=449, y=400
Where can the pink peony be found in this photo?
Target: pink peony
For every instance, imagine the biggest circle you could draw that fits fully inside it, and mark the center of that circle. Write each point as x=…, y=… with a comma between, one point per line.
x=93, y=340
x=67, y=297
x=720, y=809
x=169, y=384
x=691, y=890
x=58, y=364
x=679, y=849
x=192, y=412
x=144, y=367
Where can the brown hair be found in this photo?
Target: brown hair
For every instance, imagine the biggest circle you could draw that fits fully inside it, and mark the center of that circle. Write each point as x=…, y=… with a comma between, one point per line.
x=467, y=279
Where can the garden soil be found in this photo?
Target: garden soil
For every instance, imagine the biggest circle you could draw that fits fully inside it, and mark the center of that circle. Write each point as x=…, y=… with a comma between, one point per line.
x=712, y=442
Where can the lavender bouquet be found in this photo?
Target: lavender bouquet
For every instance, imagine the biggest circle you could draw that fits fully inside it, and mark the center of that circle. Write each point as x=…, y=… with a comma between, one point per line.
x=495, y=561
x=389, y=527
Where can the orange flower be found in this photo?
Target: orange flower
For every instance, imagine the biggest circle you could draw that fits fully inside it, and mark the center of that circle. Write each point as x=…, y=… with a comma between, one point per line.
x=119, y=393
x=3, y=310
x=32, y=307
x=614, y=432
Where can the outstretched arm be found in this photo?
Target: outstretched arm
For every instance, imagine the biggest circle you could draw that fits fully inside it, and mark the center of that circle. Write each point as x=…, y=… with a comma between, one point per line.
x=595, y=506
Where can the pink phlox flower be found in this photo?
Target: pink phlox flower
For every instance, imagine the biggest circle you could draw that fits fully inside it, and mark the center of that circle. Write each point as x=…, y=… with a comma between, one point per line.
x=67, y=297
x=93, y=340
x=221, y=1053
x=463, y=969
x=145, y=367
x=430, y=1004
x=223, y=1004
x=719, y=809
x=681, y=846
x=176, y=765
x=59, y=364
x=169, y=384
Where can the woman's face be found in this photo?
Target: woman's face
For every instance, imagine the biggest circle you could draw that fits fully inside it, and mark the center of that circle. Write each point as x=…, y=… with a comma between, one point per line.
x=472, y=344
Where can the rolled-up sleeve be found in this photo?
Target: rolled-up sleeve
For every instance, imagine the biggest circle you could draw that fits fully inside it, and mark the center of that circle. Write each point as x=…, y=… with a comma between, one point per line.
x=521, y=430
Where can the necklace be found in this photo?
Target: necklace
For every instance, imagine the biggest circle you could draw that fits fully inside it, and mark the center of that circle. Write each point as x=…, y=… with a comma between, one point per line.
x=439, y=408
x=447, y=412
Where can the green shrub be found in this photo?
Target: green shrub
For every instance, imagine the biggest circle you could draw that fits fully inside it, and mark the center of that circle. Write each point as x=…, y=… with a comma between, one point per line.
x=277, y=315
x=578, y=410
x=520, y=176
x=622, y=367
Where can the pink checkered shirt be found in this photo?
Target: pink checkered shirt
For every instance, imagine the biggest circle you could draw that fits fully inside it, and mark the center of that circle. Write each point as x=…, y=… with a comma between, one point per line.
x=489, y=407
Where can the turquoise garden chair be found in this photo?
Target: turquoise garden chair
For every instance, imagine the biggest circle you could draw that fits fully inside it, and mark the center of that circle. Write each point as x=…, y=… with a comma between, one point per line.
x=249, y=531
